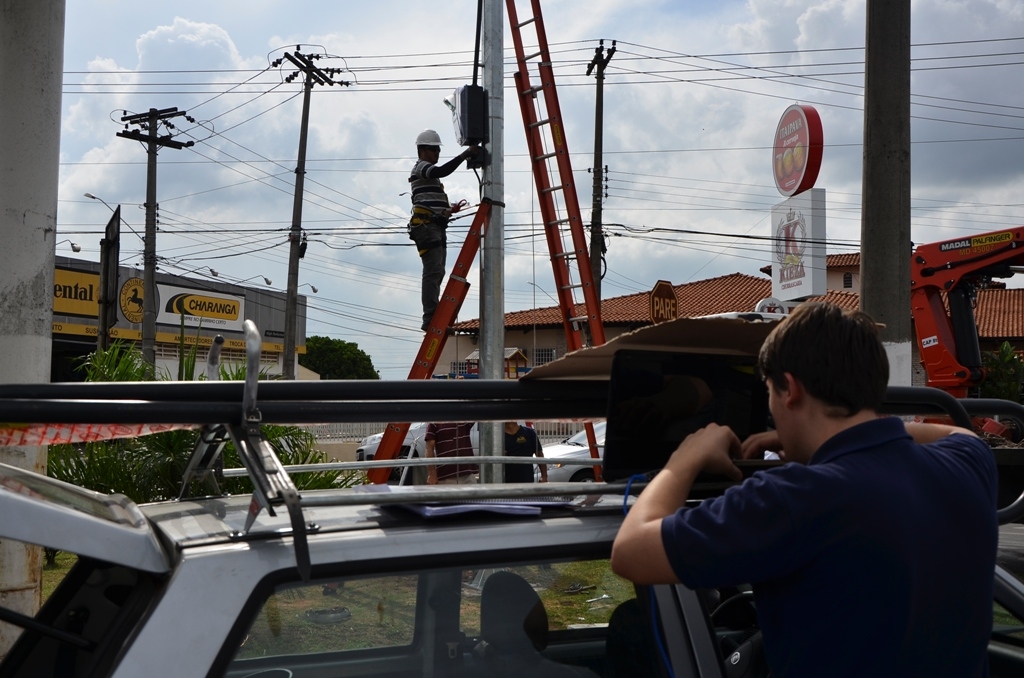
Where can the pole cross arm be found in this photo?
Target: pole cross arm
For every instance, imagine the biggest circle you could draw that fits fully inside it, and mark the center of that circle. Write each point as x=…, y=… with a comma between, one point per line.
x=167, y=140
x=142, y=117
x=306, y=65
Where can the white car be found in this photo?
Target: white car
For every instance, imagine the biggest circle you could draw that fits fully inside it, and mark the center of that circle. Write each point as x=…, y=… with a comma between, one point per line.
x=573, y=447
x=367, y=449
x=368, y=446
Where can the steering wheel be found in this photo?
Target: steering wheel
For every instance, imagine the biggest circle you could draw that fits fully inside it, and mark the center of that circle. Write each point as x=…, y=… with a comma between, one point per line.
x=746, y=660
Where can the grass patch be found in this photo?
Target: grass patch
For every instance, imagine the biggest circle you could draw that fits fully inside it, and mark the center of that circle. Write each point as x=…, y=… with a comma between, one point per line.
x=565, y=589
x=54, y=574
x=381, y=613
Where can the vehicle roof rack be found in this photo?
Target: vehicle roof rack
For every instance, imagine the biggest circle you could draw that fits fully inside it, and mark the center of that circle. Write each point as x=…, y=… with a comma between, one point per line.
x=235, y=411
x=272, y=486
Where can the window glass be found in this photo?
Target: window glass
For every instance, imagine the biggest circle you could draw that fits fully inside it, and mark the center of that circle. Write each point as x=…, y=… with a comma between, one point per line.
x=441, y=622
x=329, y=616
x=1010, y=554
x=96, y=602
x=1005, y=626
x=576, y=595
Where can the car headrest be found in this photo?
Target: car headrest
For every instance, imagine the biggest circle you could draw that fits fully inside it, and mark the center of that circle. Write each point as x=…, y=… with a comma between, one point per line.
x=512, y=614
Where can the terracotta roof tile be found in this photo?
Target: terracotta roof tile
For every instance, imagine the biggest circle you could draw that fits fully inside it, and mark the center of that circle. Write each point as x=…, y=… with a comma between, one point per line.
x=846, y=260
x=999, y=312
x=842, y=260
x=729, y=293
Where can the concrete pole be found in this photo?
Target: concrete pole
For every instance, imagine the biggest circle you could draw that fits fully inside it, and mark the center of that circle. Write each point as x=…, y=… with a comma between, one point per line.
x=31, y=66
x=291, y=305
x=492, y=253
x=599, y=62
x=149, y=250
x=885, y=209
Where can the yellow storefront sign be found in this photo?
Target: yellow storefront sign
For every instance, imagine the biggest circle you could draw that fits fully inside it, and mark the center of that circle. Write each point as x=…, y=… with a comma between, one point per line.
x=76, y=293
x=75, y=329
x=163, y=337
x=203, y=306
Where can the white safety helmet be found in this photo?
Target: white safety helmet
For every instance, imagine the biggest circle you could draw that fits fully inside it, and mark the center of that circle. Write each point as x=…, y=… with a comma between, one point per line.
x=428, y=137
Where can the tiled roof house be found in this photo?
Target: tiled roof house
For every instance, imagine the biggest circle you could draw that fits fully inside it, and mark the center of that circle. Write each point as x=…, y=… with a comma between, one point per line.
x=538, y=332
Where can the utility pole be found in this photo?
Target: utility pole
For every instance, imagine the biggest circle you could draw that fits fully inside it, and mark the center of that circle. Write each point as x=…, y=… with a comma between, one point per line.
x=885, y=208
x=150, y=122
x=297, y=240
x=597, y=247
x=110, y=255
x=492, y=251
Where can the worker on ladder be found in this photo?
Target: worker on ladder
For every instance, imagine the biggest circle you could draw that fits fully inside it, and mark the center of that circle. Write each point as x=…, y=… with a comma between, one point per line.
x=431, y=211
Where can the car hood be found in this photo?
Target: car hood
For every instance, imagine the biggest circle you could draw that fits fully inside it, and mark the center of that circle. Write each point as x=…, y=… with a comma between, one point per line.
x=567, y=450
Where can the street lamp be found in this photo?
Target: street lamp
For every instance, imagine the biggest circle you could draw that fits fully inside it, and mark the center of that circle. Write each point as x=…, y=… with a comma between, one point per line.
x=536, y=286
x=93, y=197
x=267, y=280
x=312, y=287
x=75, y=247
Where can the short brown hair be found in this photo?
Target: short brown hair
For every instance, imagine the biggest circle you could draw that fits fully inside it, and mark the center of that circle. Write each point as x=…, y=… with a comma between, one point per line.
x=837, y=356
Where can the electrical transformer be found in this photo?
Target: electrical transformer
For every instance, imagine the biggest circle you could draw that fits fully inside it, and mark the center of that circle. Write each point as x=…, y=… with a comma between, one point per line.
x=468, y=104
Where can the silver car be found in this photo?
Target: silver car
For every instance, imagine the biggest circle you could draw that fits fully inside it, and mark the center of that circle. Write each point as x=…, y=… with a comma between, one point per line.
x=368, y=446
x=574, y=447
x=367, y=581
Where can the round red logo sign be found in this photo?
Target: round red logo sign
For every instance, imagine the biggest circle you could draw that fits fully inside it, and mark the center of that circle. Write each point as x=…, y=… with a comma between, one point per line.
x=796, y=155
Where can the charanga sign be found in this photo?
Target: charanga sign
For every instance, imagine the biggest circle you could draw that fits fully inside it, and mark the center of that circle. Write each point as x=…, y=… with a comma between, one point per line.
x=213, y=310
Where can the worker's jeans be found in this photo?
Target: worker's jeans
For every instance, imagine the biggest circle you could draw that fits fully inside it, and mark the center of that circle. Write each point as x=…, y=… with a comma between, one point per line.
x=433, y=274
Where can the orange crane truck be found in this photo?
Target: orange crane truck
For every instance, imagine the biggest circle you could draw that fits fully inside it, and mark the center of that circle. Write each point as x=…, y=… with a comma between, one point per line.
x=950, y=273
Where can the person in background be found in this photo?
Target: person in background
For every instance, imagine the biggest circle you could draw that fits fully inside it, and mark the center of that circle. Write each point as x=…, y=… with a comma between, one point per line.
x=450, y=440
x=521, y=441
x=431, y=212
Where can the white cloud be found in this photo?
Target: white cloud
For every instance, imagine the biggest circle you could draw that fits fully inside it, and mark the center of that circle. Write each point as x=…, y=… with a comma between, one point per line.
x=713, y=117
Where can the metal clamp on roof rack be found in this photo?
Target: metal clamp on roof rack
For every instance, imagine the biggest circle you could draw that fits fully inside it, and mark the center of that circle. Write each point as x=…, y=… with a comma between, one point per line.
x=206, y=464
x=271, y=484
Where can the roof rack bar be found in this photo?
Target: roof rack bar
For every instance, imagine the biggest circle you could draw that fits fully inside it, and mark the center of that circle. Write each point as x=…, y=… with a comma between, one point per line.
x=416, y=461
x=1006, y=408
x=470, y=493
x=916, y=400
x=591, y=405
x=352, y=389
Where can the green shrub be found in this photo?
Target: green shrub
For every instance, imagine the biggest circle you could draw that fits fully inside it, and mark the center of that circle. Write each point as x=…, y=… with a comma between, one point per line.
x=1004, y=374
x=150, y=468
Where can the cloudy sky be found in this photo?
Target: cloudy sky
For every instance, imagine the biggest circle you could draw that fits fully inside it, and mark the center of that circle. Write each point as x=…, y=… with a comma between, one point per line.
x=692, y=98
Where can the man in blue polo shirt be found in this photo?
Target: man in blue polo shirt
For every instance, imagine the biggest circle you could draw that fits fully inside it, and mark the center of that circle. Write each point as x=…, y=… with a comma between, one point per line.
x=871, y=555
